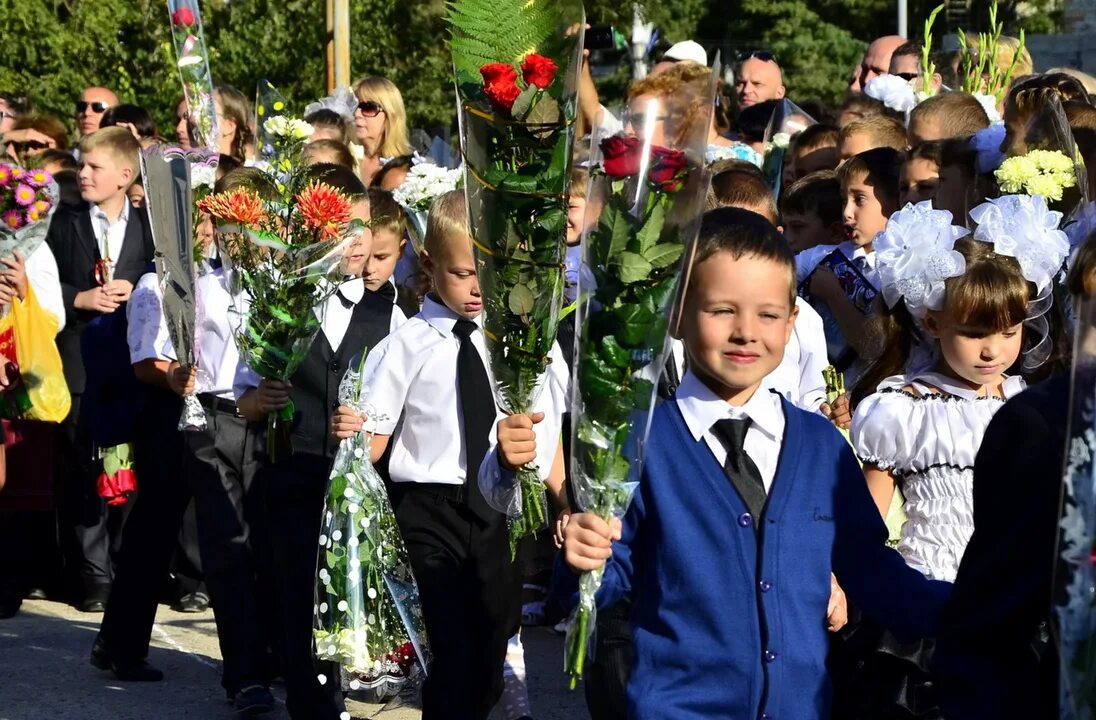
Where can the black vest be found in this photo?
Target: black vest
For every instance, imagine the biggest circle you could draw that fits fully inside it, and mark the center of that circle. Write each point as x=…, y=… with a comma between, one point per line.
x=316, y=383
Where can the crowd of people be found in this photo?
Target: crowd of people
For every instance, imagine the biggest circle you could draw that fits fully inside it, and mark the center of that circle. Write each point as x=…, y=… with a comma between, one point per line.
x=887, y=250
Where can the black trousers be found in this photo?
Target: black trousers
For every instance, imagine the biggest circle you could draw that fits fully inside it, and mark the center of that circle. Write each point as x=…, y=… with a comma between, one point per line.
x=85, y=515
x=294, y=491
x=607, y=673
x=471, y=599
x=220, y=465
x=151, y=529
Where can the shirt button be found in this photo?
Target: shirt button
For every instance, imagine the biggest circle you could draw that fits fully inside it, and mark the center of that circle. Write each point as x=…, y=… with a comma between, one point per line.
x=745, y=520
x=767, y=716
x=770, y=656
x=334, y=366
x=766, y=586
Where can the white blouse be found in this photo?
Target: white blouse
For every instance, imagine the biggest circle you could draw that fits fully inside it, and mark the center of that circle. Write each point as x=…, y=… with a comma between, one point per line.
x=928, y=439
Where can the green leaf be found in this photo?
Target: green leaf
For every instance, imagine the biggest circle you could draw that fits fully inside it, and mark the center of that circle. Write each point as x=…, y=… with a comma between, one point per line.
x=521, y=300
x=614, y=231
x=523, y=103
x=633, y=268
x=663, y=255
x=652, y=228
x=634, y=320
x=614, y=354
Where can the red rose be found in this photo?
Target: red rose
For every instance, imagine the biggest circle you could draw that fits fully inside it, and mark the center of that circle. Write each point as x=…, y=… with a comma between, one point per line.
x=538, y=70
x=184, y=16
x=621, y=155
x=668, y=169
x=500, y=82
x=126, y=480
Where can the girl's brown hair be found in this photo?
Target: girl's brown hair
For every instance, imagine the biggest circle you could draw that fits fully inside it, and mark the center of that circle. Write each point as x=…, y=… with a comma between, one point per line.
x=991, y=296
x=685, y=87
x=235, y=107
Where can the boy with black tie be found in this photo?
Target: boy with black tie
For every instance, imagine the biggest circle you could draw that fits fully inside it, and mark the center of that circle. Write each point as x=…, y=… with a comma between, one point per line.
x=354, y=320
x=102, y=248
x=434, y=416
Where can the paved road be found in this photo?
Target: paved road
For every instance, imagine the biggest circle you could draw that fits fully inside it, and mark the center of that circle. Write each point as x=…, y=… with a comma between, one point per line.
x=46, y=675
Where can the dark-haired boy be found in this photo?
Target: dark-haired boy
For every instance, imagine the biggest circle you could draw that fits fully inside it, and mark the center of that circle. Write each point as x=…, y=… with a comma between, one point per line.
x=745, y=505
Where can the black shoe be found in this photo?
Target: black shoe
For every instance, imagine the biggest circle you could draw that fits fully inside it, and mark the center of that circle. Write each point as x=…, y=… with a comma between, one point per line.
x=194, y=602
x=254, y=700
x=139, y=671
x=36, y=594
x=92, y=605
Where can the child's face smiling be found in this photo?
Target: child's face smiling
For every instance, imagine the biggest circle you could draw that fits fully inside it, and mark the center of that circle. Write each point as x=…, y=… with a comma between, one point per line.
x=738, y=317
x=865, y=216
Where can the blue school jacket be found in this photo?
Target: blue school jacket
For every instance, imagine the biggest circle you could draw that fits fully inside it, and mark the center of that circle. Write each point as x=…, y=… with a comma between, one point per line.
x=729, y=621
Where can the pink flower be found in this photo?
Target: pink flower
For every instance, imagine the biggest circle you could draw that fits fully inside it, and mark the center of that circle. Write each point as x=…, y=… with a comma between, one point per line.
x=33, y=216
x=42, y=206
x=24, y=194
x=12, y=219
x=5, y=175
x=39, y=178
x=17, y=173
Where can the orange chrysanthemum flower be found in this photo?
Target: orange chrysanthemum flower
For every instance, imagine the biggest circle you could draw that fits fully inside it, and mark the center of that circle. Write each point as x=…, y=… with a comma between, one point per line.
x=241, y=206
x=323, y=208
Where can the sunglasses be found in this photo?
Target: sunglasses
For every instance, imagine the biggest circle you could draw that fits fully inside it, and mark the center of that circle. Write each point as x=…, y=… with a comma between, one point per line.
x=96, y=107
x=908, y=76
x=370, y=108
x=22, y=147
x=762, y=55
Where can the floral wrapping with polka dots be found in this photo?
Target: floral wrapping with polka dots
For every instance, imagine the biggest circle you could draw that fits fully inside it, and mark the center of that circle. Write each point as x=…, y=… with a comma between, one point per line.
x=367, y=615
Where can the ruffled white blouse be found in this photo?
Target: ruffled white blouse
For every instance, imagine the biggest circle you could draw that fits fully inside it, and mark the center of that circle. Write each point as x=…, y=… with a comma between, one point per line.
x=927, y=438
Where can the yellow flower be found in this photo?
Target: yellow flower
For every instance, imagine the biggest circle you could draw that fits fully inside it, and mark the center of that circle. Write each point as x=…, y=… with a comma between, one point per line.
x=1045, y=185
x=1015, y=172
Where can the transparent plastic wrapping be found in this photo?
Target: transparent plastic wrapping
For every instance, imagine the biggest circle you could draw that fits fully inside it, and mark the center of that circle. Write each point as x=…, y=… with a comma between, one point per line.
x=1074, y=623
x=517, y=94
x=28, y=199
x=650, y=184
x=192, y=59
x=367, y=615
x=788, y=120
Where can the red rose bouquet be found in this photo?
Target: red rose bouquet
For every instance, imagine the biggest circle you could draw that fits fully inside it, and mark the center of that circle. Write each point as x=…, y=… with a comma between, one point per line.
x=192, y=59
x=654, y=187
x=516, y=64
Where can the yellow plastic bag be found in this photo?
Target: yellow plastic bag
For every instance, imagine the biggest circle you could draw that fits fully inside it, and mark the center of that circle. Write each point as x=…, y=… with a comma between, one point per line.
x=33, y=331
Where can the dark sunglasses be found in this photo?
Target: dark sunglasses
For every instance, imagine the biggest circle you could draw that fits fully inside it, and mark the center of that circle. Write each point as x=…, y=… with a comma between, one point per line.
x=370, y=108
x=762, y=55
x=908, y=76
x=22, y=147
x=96, y=107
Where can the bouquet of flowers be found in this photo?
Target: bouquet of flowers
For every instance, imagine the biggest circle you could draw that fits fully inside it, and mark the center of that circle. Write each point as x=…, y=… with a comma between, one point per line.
x=192, y=59
x=1039, y=172
x=425, y=181
x=516, y=64
x=117, y=482
x=283, y=241
x=635, y=254
x=788, y=120
x=367, y=613
x=27, y=201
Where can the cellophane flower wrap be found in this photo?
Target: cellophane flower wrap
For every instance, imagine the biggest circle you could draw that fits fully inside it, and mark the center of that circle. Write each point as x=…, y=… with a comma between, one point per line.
x=282, y=240
x=28, y=198
x=1074, y=618
x=425, y=181
x=787, y=121
x=192, y=60
x=367, y=613
x=516, y=65
x=653, y=186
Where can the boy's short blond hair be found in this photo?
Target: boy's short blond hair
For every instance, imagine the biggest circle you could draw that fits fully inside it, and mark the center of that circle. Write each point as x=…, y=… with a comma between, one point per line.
x=448, y=222
x=386, y=214
x=577, y=185
x=745, y=190
x=117, y=141
x=881, y=130
x=956, y=114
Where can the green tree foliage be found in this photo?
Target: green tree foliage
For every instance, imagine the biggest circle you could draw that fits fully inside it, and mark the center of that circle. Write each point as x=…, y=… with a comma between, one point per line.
x=57, y=47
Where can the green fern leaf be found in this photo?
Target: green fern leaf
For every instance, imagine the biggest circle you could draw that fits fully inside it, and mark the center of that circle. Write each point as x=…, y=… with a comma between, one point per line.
x=488, y=31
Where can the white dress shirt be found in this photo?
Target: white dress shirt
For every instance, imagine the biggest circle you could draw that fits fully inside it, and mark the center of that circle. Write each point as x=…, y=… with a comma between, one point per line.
x=44, y=279
x=410, y=382
x=110, y=245
x=217, y=355
x=808, y=261
x=799, y=377
x=702, y=408
x=336, y=316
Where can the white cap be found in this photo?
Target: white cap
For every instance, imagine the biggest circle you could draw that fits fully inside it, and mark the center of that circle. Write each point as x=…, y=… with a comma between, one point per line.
x=687, y=50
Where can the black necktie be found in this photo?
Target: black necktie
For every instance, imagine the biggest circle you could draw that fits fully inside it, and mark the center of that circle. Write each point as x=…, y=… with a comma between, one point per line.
x=346, y=302
x=387, y=291
x=738, y=466
x=477, y=403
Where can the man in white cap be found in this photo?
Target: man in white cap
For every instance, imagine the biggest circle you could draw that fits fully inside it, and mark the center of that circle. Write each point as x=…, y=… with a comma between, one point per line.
x=684, y=51
x=759, y=79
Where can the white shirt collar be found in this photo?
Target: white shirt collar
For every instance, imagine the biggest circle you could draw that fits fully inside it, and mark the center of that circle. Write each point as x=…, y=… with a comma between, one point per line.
x=353, y=290
x=702, y=408
x=97, y=212
x=440, y=317
x=852, y=251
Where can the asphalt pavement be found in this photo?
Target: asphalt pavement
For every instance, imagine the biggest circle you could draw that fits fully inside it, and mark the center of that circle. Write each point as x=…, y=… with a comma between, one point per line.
x=46, y=674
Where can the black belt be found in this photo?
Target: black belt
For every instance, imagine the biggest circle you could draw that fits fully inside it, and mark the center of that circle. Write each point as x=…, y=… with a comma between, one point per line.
x=217, y=404
x=442, y=490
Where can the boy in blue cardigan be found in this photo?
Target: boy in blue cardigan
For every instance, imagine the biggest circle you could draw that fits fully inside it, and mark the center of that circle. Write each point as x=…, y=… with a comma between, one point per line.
x=745, y=506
